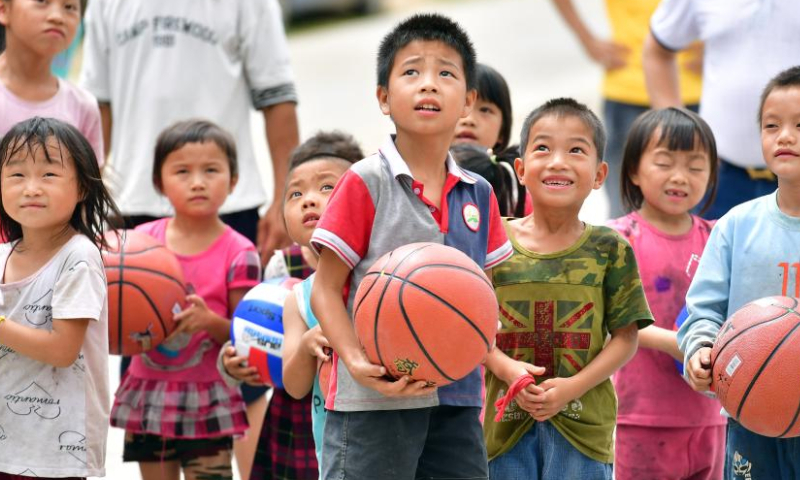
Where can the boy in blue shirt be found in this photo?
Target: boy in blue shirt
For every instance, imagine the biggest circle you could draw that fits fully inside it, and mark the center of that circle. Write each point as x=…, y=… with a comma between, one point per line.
x=410, y=191
x=752, y=253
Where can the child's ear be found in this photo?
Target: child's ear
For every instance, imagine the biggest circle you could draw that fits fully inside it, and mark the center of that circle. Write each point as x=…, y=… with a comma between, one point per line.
x=519, y=167
x=383, y=99
x=4, y=12
x=234, y=181
x=472, y=96
x=600, y=176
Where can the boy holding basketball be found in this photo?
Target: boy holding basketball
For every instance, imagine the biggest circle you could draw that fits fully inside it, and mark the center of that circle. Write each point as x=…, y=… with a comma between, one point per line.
x=410, y=191
x=567, y=287
x=752, y=253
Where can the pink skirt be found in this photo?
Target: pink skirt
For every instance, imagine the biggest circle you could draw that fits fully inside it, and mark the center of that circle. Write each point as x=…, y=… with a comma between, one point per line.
x=179, y=409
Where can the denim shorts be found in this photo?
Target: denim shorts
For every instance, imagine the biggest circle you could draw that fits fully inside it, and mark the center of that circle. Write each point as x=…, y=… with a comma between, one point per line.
x=544, y=454
x=441, y=442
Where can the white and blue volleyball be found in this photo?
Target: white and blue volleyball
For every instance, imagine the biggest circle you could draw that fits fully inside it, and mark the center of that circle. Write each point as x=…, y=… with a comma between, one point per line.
x=257, y=328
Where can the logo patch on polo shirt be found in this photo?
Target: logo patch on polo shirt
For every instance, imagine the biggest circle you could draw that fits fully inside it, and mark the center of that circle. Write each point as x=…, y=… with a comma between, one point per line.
x=472, y=216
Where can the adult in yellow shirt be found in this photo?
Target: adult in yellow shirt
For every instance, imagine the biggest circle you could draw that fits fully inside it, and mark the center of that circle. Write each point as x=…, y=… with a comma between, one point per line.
x=624, y=92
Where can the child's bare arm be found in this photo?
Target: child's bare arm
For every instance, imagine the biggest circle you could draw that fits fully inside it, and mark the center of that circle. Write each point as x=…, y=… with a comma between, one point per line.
x=560, y=391
x=58, y=347
x=607, y=53
x=661, y=339
x=326, y=298
x=301, y=348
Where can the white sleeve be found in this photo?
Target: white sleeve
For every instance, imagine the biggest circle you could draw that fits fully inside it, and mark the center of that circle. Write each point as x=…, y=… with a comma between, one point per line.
x=266, y=53
x=80, y=290
x=675, y=24
x=95, y=69
x=276, y=266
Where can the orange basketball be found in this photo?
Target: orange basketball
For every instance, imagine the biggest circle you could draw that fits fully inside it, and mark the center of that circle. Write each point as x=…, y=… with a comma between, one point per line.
x=755, y=366
x=428, y=311
x=145, y=289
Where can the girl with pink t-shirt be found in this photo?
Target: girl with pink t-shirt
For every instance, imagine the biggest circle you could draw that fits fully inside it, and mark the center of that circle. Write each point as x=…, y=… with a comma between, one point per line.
x=176, y=409
x=664, y=428
x=35, y=32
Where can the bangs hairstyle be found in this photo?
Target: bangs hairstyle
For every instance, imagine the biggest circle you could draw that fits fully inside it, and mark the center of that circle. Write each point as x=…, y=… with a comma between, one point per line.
x=326, y=145
x=786, y=79
x=95, y=206
x=195, y=130
x=678, y=130
x=492, y=88
x=498, y=170
x=560, y=108
x=428, y=27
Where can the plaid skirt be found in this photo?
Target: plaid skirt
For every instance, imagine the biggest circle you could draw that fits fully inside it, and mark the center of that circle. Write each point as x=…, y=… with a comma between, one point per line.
x=178, y=409
x=285, y=448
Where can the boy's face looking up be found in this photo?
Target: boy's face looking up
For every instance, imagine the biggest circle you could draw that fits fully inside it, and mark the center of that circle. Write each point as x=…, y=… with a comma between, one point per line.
x=307, y=192
x=560, y=165
x=780, y=133
x=427, y=89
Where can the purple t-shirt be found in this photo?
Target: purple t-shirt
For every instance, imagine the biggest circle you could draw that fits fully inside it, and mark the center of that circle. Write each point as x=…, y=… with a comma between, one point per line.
x=70, y=104
x=231, y=262
x=650, y=390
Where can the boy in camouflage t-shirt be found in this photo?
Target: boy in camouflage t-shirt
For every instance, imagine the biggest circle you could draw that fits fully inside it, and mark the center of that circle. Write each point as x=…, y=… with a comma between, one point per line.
x=567, y=287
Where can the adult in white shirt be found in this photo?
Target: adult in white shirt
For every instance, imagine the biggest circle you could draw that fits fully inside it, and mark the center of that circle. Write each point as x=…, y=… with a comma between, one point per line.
x=151, y=64
x=747, y=42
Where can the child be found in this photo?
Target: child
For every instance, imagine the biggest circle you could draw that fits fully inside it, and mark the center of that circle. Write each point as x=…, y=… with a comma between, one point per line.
x=287, y=449
x=489, y=123
x=498, y=171
x=175, y=408
x=410, y=191
x=35, y=33
x=749, y=255
x=664, y=429
x=566, y=288
x=53, y=314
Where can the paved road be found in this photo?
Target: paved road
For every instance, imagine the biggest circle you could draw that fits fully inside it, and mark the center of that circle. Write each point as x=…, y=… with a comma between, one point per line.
x=335, y=69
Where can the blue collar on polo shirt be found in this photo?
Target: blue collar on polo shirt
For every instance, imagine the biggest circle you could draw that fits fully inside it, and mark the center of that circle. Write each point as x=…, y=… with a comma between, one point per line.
x=400, y=167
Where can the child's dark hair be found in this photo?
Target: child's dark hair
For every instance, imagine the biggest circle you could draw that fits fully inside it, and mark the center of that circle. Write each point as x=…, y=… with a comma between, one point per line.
x=428, y=27
x=679, y=130
x=192, y=131
x=492, y=87
x=786, y=79
x=498, y=170
x=331, y=144
x=565, y=107
x=95, y=207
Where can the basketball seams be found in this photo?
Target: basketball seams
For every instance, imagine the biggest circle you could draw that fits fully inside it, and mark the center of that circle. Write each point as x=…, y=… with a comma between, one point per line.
x=762, y=368
x=122, y=266
x=413, y=332
x=745, y=330
x=152, y=304
x=794, y=418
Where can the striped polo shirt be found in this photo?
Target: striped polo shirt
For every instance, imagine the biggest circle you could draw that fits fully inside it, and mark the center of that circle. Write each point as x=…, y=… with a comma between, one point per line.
x=376, y=207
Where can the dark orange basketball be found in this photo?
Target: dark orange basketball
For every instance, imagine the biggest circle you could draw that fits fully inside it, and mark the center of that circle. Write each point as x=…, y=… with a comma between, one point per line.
x=755, y=366
x=428, y=311
x=145, y=289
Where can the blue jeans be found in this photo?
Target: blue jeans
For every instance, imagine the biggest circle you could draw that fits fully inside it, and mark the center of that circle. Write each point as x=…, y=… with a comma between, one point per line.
x=544, y=454
x=423, y=443
x=735, y=187
x=752, y=456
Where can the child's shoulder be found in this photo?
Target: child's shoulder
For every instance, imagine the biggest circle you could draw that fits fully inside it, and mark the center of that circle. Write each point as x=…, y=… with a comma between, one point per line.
x=77, y=95
x=237, y=240
x=80, y=249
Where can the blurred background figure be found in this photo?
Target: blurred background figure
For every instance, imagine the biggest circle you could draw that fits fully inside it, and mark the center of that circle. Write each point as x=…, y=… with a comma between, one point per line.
x=747, y=42
x=624, y=93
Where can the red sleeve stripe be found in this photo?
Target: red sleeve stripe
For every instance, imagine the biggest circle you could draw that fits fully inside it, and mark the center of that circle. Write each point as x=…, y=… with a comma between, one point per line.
x=324, y=238
x=499, y=255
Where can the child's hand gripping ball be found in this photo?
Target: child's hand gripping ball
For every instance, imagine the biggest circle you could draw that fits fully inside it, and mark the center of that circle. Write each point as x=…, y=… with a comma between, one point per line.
x=257, y=328
x=427, y=311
